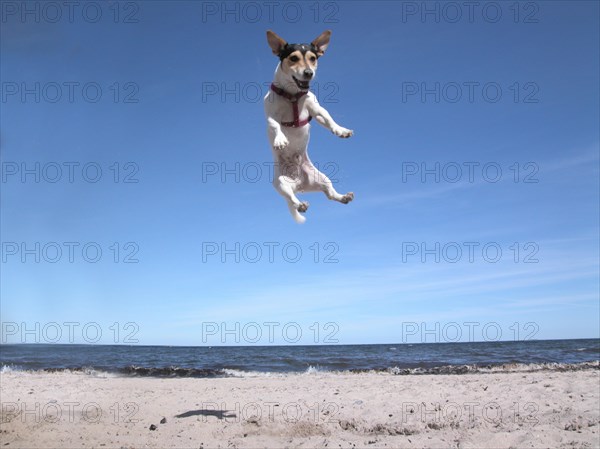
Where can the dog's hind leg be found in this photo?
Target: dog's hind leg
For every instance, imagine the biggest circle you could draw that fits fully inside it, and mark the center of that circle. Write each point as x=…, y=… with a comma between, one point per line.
x=320, y=182
x=332, y=194
x=285, y=187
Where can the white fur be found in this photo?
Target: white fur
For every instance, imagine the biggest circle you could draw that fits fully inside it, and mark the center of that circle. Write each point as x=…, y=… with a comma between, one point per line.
x=294, y=172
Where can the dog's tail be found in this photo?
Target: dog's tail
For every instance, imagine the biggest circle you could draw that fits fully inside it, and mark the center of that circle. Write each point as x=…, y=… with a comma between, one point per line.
x=298, y=217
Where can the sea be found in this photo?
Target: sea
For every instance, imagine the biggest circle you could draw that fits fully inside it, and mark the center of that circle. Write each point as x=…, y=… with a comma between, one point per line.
x=240, y=361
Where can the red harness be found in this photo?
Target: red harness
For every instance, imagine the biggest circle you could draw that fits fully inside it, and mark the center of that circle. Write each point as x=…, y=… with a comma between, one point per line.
x=297, y=123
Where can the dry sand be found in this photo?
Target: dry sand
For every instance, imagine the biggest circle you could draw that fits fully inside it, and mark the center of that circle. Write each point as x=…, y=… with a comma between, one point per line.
x=523, y=409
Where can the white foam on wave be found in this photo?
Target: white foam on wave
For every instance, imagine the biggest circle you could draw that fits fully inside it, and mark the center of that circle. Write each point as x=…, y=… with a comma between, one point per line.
x=242, y=373
x=101, y=374
x=315, y=370
x=311, y=370
x=9, y=369
x=81, y=372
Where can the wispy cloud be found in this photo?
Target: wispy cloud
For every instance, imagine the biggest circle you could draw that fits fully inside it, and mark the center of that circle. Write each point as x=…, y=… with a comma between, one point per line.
x=401, y=198
x=575, y=159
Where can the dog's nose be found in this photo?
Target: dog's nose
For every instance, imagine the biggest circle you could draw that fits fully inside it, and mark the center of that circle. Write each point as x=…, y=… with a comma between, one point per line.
x=308, y=73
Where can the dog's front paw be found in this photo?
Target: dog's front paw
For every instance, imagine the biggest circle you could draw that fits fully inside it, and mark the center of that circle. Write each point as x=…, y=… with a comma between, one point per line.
x=342, y=132
x=280, y=142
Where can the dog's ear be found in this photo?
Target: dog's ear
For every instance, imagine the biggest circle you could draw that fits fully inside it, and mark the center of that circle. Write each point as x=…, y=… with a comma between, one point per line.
x=275, y=42
x=321, y=42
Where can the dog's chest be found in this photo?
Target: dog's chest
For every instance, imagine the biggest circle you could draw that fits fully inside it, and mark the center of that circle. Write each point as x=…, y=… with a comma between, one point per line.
x=282, y=109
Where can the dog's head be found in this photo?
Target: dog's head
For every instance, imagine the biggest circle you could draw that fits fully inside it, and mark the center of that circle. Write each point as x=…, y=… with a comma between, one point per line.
x=299, y=61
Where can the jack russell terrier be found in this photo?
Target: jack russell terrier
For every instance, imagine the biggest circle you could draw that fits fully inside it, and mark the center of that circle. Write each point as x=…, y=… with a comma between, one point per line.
x=290, y=106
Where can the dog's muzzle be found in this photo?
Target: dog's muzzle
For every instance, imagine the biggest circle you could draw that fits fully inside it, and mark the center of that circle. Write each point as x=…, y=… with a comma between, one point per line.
x=304, y=85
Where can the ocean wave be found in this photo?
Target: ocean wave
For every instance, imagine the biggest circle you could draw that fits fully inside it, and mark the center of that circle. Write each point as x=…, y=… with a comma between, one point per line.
x=171, y=371
x=179, y=372
x=492, y=369
x=597, y=350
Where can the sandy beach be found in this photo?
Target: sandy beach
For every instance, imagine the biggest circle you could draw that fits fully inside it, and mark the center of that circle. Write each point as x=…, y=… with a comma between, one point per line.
x=503, y=410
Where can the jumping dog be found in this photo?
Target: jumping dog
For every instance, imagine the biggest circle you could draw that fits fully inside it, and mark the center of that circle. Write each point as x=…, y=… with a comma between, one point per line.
x=289, y=107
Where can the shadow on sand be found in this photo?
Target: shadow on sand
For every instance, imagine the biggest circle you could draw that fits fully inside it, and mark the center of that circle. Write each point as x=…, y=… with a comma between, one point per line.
x=220, y=414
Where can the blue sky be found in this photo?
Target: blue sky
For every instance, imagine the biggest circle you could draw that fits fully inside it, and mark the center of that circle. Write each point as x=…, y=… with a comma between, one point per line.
x=512, y=100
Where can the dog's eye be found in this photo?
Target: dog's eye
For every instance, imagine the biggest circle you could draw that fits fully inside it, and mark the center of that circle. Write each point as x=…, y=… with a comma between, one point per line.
x=294, y=58
x=313, y=59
